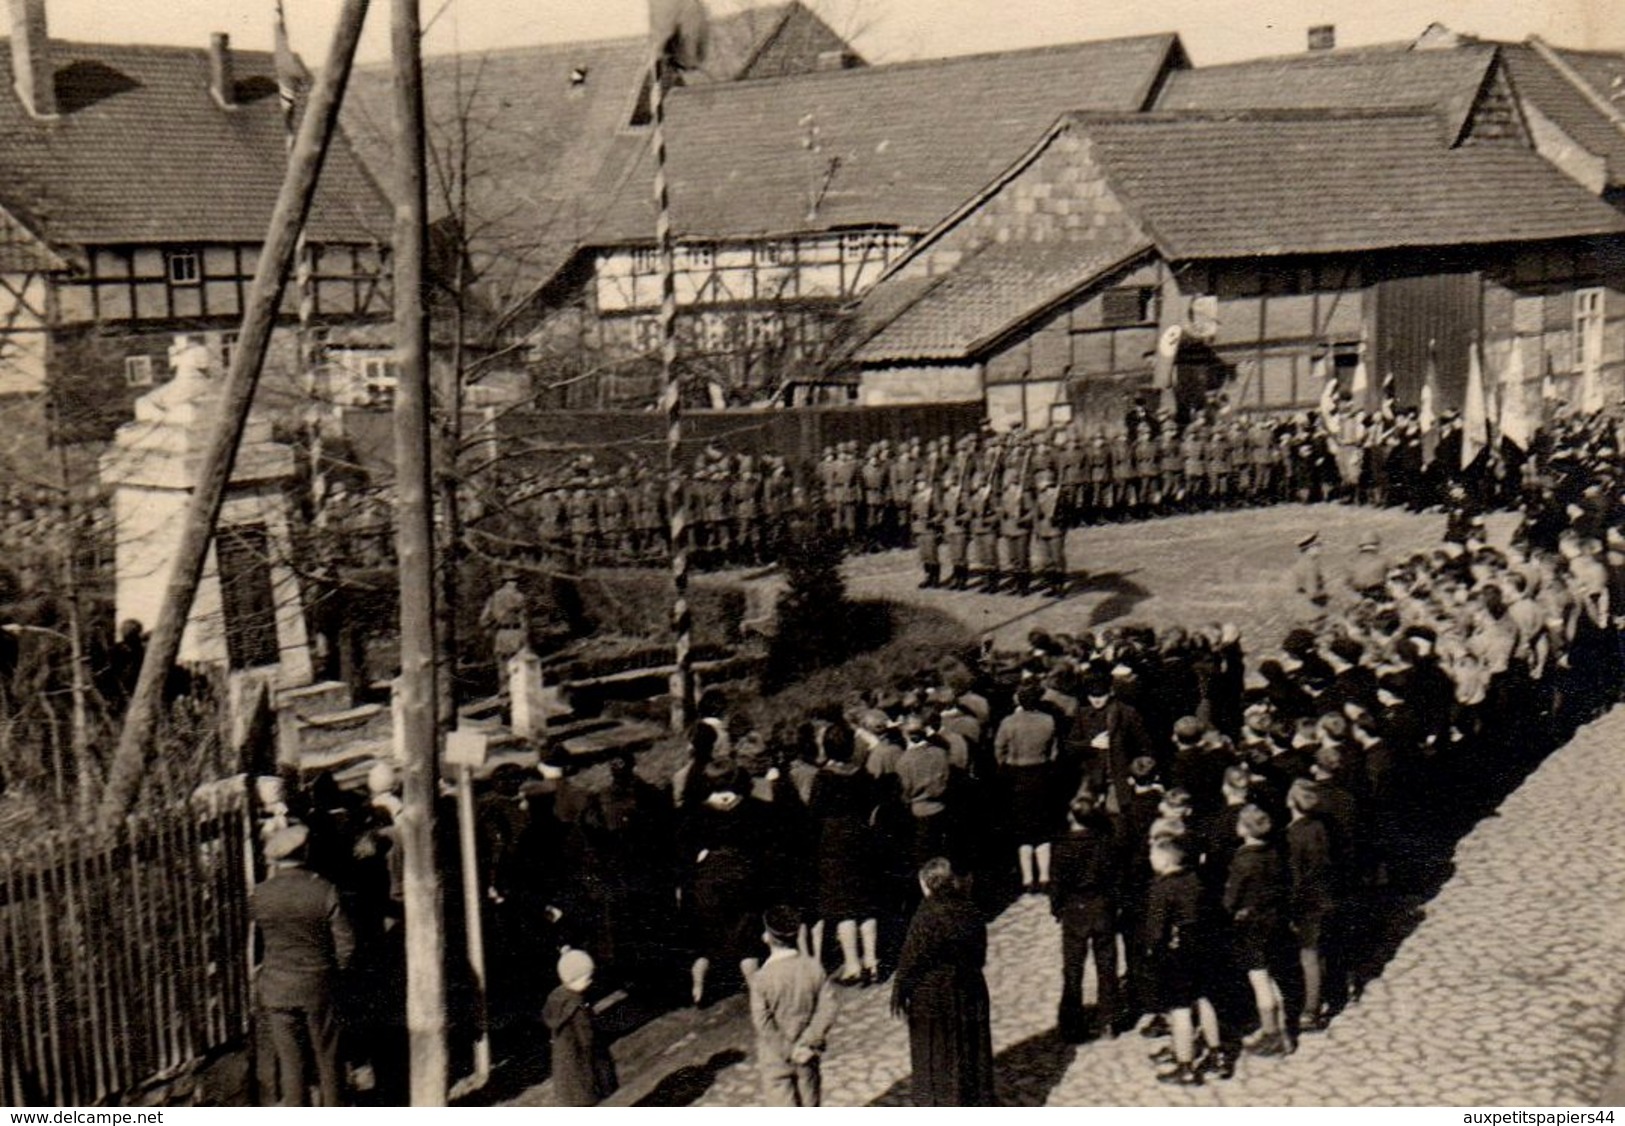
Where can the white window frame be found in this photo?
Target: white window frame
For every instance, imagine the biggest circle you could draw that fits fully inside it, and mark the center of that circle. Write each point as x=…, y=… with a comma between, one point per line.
x=1588, y=330
x=183, y=266
x=140, y=371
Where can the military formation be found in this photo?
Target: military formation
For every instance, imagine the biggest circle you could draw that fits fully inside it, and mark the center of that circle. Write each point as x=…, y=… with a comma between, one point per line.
x=986, y=509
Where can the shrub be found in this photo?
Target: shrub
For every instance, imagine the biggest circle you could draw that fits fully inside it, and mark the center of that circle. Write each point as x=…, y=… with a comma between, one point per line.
x=816, y=623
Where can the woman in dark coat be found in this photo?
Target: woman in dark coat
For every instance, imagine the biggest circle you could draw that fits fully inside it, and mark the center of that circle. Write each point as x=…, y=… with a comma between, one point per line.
x=842, y=809
x=940, y=989
x=723, y=845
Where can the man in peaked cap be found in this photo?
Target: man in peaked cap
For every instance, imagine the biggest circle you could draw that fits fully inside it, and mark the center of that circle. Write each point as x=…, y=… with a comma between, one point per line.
x=307, y=941
x=1307, y=578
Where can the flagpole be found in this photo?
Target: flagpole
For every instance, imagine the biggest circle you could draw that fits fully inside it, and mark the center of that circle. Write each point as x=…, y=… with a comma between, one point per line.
x=682, y=624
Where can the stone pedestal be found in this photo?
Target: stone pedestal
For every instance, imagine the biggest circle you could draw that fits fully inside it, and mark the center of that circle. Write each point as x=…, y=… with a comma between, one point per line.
x=253, y=623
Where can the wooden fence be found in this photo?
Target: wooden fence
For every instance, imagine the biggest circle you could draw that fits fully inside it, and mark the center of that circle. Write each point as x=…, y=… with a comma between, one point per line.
x=123, y=957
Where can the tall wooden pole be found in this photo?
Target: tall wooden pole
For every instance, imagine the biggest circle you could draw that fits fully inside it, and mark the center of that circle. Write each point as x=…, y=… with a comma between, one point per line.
x=682, y=621
x=414, y=537
x=237, y=396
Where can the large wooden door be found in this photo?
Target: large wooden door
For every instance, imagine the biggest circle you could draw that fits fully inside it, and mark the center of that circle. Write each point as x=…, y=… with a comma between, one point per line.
x=1441, y=312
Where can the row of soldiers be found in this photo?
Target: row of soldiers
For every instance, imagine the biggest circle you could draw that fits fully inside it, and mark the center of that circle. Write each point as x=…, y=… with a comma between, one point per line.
x=740, y=507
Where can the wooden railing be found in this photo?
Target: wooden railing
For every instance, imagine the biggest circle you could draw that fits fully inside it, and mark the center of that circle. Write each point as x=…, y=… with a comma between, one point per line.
x=123, y=957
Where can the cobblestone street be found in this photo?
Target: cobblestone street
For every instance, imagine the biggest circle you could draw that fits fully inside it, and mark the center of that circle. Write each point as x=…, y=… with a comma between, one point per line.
x=1508, y=991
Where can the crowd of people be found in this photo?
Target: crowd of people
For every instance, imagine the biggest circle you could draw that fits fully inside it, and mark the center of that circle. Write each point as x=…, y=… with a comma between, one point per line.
x=1221, y=843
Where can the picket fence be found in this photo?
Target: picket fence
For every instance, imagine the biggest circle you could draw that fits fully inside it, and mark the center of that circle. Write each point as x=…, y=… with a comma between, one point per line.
x=124, y=956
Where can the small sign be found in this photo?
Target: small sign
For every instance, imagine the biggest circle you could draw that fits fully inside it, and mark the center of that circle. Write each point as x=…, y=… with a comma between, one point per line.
x=1168, y=342
x=467, y=748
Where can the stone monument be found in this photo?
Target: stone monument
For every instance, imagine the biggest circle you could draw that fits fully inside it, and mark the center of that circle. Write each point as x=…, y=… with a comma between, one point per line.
x=248, y=617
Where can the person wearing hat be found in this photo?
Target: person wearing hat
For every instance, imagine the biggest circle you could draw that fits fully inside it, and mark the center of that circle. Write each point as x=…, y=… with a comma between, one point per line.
x=583, y=1072
x=792, y=1006
x=1050, y=522
x=1307, y=578
x=1369, y=571
x=925, y=522
x=306, y=941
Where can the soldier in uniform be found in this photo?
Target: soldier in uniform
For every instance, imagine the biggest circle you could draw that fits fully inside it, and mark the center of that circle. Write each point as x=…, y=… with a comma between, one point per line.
x=1218, y=467
x=1170, y=466
x=825, y=474
x=715, y=507
x=984, y=528
x=1069, y=471
x=1016, y=530
x=846, y=494
x=1050, y=522
x=1193, y=451
x=876, y=512
x=646, y=521
x=615, y=519
x=1097, y=469
x=900, y=475
x=1123, y=496
x=745, y=502
x=925, y=522
x=778, y=489
x=953, y=506
x=1257, y=443
x=1147, y=470
x=581, y=510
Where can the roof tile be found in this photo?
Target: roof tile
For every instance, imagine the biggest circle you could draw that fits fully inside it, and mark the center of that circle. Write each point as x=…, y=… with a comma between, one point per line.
x=141, y=153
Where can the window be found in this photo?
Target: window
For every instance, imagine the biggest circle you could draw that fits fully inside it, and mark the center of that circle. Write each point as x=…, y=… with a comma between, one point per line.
x=697, y=258
x=228, y=350
x=645, y=260
x=646, y=334
x=139, y=371
x=1588, y=330
x=1126, y=305
x=183, y=267
x=378, y=380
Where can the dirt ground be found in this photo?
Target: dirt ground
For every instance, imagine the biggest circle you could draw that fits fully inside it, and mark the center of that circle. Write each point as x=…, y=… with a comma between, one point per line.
x=1183, y=570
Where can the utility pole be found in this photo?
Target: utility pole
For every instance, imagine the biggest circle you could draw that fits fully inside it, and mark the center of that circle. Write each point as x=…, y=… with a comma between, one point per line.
x=237, y=397
x=414, y=537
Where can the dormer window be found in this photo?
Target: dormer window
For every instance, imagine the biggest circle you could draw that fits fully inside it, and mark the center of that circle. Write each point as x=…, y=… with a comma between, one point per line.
x=578, y=77
x=183, y=267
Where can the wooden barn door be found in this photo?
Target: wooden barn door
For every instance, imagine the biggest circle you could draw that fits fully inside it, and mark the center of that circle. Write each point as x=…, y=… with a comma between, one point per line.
x=1443, y=309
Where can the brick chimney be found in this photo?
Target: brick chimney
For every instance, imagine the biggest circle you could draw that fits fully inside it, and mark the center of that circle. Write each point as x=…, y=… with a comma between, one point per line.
x=222, y=82
x=1323, y=37
x=31, y=67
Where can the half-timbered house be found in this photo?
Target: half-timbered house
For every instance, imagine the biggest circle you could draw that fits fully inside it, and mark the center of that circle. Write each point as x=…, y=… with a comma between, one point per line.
x=1258, y=250
x=136, y=187
x=790, y=196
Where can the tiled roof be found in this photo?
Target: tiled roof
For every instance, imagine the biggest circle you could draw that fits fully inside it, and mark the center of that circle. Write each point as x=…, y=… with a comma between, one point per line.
x=898, y=145
x=1537, y=82
x=1203, y=186
x=539, y=144
x=1366, y=78
x=957, y=314
x=1311, y=183
x=141, y=152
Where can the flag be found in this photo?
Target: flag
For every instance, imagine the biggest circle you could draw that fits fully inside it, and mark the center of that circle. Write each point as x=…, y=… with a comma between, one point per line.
x=1516, y=425
x=681, y=32
x=1475, y=415
x=1360, y=386
x=1427, y=416
x=290, y=72
x=1390, y=394
x=1328, y=393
